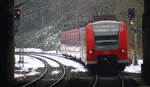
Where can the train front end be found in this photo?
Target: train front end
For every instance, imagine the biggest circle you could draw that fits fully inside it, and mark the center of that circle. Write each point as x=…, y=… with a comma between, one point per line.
x=106, y=45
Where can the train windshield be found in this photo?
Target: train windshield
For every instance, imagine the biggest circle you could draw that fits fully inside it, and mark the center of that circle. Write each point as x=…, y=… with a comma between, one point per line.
x=106, y=36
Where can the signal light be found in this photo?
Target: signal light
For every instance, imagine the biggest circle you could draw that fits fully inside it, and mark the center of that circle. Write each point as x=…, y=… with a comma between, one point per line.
x=131, y=21
x=17, y=14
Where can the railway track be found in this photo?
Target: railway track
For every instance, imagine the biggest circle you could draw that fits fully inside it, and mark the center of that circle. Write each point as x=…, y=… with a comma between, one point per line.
x=122, y=81
x=42, y=80
x=60, y=81
x=71, y=82
x=116, y=81
x=40, y=76
x=96, y=81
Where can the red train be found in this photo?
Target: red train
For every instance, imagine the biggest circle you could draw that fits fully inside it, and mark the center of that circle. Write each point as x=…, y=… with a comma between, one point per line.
x=100, y=43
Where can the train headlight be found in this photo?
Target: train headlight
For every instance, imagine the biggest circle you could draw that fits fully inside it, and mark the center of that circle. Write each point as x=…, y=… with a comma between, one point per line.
x=122, y=50
x=91, y=51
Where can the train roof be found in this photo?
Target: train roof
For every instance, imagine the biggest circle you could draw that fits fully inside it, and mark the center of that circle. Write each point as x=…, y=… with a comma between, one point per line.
x=106, y=21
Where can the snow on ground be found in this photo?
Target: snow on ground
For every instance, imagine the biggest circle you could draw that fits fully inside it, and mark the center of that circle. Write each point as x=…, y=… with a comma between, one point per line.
x=70, y=63
x=134, y=68
x=50, y=62
x=31, y=64
x=36, y=50
x=28, y=50
x=54, y=51
x=27, y=68
x=77, y=67
x=55, y=72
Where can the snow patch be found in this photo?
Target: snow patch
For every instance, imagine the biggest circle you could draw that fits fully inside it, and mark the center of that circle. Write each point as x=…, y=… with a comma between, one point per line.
x=70, y=63
x=50, y=62
x=134, y=68
x=28, y=50
x=27, y=68
x=55, y=72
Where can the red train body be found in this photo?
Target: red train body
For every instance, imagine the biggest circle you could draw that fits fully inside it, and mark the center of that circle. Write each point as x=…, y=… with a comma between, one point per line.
x=97, y=43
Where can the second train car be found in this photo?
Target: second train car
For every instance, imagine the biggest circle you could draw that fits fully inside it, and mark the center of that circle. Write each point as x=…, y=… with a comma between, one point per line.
x=99, y=44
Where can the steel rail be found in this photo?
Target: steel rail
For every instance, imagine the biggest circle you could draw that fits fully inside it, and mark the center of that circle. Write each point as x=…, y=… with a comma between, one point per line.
x=41, y=76
x=62, y=66
x=95, y=82
x=122, y=81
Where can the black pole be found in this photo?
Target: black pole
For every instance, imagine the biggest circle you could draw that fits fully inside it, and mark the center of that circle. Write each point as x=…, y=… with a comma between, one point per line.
x=6, y=43
x=146, y=42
